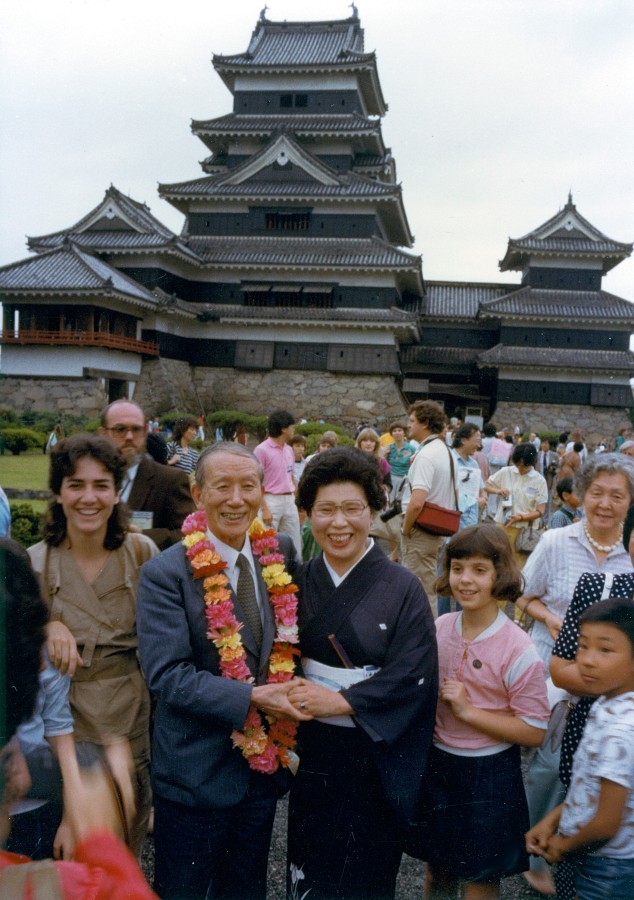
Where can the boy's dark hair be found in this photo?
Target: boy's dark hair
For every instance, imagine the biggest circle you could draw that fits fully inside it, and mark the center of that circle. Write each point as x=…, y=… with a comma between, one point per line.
x=396, y=425
x=524, y=453
x=464, y=433
x=491, y=542
x=278, y=421
x=64, y=458
x=563, y=437
x=577, y=446
x=298, y=439
x=616, y=611
x=565, y=486
x=24, y=616
x=337, y=465
x=489, y=430
x=429, y=413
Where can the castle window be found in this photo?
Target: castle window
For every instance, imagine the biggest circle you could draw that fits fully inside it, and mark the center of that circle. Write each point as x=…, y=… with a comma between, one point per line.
x=301, y=100
x=286, y=101
x=278, y=221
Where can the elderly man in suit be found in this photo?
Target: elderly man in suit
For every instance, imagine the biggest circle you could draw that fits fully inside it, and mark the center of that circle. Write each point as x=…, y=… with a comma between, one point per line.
x=158, y=496
x=213, y=812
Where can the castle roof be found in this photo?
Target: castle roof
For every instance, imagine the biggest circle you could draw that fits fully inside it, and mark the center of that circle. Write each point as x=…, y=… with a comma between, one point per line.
x=308, y=47
x=566, y=236
x=560, y=358
x=531, y=304
x=115, y=225
x=457, y=300
x=69, y=270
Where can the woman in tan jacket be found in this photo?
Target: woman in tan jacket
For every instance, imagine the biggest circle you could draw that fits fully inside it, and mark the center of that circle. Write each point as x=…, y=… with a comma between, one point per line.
x=88, y=565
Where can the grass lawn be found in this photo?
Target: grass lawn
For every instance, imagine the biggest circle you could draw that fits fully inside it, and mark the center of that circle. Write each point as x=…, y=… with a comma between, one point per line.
x=27, y=472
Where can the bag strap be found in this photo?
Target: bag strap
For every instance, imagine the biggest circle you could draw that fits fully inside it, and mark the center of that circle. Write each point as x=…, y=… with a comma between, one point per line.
x=607, y=586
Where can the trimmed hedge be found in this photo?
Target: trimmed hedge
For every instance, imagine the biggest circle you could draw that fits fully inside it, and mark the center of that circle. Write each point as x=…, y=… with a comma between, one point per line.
x=25, y=524
x=17, y=440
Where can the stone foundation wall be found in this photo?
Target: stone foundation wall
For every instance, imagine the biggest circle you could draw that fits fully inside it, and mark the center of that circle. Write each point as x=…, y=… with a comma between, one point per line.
x=342, y=399
x=594, y=422
x=72, y=397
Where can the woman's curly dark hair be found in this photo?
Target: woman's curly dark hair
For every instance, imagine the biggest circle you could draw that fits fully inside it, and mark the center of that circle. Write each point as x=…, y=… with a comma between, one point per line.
x=338, y=465
x=64, y=459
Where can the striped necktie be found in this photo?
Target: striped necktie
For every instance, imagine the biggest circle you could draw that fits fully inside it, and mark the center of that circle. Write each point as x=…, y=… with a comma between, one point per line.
x=248, y=600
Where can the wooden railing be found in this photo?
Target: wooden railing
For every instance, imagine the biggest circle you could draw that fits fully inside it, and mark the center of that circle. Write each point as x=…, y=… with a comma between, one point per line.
x=80, y=339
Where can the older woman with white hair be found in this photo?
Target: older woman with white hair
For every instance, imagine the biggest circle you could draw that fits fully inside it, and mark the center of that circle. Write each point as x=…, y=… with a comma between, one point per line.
x=605, y=485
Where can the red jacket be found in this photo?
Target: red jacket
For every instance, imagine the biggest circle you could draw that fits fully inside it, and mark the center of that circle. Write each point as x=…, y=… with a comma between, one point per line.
x=103, y=868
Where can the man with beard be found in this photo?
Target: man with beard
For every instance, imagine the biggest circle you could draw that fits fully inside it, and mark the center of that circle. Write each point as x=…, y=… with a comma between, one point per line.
x=159, y=497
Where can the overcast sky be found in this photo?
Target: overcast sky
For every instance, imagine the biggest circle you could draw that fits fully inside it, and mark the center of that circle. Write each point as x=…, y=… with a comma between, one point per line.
x=496, y=109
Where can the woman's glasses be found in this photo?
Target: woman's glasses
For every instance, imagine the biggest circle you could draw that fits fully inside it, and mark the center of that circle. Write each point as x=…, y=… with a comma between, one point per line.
x=351, y=509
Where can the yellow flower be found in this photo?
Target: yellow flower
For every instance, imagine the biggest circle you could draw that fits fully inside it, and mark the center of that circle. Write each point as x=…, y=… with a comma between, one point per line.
x=215, y=581
x=257, y=527
x=230, y=641
x=194, y=538
x=279, y=664
x=274, y=575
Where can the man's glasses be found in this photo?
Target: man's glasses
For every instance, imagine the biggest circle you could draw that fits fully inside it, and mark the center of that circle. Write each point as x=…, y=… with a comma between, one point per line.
x=351, y=509
x=122, y=430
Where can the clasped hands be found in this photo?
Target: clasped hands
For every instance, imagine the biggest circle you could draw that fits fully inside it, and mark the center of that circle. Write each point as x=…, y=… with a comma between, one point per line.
x=542, y=840
x=300, y=699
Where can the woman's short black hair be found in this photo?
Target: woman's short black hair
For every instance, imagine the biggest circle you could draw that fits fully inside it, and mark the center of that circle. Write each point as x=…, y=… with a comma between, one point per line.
x=278, y=421
x=524, y=453
x=616, y=611
x=489, y=430
x=64, y=458
x=338, y=465
x=491, y=542
x=24, y=615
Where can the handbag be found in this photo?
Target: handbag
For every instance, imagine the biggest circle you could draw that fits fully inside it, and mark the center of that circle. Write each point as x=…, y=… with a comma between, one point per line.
x=528, y=538
x=439, y=520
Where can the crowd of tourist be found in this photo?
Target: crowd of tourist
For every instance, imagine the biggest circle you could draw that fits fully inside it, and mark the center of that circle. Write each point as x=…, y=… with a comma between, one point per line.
x=427, y=638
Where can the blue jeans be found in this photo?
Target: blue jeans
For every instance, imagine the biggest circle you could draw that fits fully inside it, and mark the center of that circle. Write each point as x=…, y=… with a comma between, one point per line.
x=601, y=877
x=215, y=854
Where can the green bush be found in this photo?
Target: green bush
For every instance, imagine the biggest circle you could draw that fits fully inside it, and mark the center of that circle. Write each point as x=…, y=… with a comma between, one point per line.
x=229, y=419
x=308, y=428
x=25, y=524
x=17, y=440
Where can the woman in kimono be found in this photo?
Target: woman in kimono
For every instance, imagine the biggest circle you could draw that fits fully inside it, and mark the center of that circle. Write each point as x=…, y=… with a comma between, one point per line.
x=370, y=663
x=88, y=566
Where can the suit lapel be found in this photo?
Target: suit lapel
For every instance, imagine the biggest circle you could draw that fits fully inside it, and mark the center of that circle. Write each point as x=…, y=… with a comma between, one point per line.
x=141, y=486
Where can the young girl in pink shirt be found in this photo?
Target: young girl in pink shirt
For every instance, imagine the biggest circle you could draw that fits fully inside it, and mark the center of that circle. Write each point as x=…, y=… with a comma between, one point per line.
x=492, y=700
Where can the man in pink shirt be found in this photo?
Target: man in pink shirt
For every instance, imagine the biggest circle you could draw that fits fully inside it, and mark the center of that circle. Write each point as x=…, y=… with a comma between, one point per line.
x=278, y=461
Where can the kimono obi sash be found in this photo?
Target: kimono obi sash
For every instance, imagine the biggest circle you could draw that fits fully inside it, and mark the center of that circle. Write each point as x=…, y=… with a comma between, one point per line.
x=335, y=678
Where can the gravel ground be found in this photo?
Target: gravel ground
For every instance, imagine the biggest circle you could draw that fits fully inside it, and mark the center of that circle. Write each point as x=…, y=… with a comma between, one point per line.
x=410, y=879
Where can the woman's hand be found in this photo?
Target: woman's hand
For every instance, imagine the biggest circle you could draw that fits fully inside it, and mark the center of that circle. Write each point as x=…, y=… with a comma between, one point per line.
x=62, y=648
x=514, y=518
x=318, y=700
x=274, y=699
x=64, y=842
x=455, y=694
x=553, y=623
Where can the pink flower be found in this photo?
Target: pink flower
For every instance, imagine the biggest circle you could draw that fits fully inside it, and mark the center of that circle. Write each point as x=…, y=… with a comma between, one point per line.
x=265, y=762
x=236, y=669
x=196, y=521
x=270, y=558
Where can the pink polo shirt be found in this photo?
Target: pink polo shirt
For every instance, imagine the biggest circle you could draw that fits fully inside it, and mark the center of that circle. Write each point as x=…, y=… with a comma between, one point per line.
x=502, y=673
x=278, y=464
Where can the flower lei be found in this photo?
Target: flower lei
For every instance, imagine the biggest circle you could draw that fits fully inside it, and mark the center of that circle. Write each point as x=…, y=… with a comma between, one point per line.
x=264, y=746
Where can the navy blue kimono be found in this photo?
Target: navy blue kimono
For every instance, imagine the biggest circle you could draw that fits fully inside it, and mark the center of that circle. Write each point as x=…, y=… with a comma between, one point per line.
x=357, y=788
